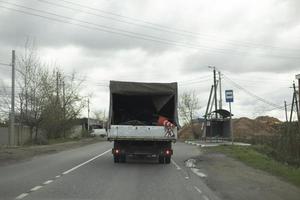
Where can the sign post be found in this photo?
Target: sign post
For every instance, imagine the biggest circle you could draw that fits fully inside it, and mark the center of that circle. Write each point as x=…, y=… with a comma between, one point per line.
x=229, y=99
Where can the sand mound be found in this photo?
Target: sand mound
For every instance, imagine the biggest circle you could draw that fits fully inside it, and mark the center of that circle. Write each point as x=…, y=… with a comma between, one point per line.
x=242, y=127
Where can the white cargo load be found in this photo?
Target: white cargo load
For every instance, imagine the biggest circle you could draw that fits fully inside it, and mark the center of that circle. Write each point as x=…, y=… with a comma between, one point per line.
x=123, y=132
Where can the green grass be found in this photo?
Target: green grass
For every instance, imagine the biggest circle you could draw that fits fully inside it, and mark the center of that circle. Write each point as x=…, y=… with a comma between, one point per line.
x=252, y=157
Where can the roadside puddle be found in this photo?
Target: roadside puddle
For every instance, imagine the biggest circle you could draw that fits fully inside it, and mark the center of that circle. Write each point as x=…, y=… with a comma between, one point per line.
x=191, y=163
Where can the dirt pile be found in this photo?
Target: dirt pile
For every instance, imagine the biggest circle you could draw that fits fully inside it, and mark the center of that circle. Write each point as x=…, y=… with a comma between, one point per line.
x=242, y=127
x=263, y=125
x=186, y=132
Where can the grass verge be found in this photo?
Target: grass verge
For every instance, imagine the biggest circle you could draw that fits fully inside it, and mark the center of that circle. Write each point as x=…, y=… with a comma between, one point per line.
x=252, y=157
x=62, y=140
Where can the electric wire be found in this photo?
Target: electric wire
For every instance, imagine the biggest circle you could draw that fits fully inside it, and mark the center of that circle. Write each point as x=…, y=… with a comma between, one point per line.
x=154, y=25
x=236, y=85
x=107, y=28
x=124, y=32
x=4, y=64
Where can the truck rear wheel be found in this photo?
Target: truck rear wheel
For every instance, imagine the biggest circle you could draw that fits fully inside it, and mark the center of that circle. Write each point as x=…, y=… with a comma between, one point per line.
x=116, y=159
x=123, y=158
x=167, y=160
x=161, y=159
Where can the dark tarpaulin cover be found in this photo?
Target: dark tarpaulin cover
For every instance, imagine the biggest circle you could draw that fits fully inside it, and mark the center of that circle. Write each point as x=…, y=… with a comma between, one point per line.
x=139, y=88
x=160, y=93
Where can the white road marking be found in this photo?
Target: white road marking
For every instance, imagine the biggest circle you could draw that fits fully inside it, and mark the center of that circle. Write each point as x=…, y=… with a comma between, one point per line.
x=36, y=188
x=205, y=197
x=190, y=163
x=176, y=165
x=76, y=167
x=21, y=196
x=198, y=173
x=47, y=182
x=197, y=189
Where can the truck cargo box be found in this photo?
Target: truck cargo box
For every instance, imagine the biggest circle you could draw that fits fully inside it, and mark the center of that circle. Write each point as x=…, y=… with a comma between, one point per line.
x=136, y=107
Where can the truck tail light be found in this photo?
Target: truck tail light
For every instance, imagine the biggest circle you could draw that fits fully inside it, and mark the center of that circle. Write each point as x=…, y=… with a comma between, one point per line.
x=168, y=152
x=116, y=151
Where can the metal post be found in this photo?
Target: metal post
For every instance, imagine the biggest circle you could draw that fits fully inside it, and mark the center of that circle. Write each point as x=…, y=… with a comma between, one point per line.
x=12, y=114
x=231, y=128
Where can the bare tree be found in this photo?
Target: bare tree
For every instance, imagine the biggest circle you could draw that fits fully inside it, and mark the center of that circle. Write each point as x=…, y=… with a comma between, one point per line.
x=64, y=104
x=188, y=106
x=100, y=115
x=4, y=101
x=48, y=99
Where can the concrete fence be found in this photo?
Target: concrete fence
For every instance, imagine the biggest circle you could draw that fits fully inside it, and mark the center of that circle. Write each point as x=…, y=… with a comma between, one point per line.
x=4, y=136
x=22, y=135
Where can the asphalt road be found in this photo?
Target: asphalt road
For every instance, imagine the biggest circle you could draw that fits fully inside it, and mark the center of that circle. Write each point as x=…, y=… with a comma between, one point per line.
x=88, y=172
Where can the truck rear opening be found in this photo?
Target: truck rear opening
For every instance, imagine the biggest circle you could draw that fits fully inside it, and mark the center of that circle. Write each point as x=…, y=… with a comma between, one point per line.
x=143, y=119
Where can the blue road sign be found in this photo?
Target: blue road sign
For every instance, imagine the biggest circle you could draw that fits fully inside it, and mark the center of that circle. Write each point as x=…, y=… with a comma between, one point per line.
x=229, y=95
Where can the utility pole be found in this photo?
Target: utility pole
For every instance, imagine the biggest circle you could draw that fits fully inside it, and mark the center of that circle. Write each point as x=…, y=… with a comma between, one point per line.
x=292, y=108
x=220, y=88
x=57, y=86
x=206, y=112
x=299, y=89
x=296, y=102
x=298, y=77
x=215, y=87
x=285, y=109
x=64, y=108
x=12, y=114
x=88, y=120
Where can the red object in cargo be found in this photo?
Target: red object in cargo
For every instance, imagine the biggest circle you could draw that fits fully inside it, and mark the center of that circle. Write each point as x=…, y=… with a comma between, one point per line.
x=163, y=121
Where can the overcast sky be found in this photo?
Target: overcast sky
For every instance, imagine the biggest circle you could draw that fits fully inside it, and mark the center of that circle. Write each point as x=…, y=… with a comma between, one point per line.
x=255, y=44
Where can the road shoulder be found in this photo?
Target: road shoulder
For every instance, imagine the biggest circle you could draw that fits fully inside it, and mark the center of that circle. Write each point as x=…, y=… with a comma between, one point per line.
x=11, y=155
x=231, y=179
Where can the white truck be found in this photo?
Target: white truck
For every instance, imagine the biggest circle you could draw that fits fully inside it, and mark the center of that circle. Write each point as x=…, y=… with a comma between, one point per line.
x=143, y=120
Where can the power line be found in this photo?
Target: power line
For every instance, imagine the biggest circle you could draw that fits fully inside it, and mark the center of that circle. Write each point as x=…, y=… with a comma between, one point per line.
x=194, y=82
x=278, y=108
x=126, y=22
x=255, y=80
x=172, y=42
x=194, y=79
x=252, y=94
x=117, y=31
x=154, y=25
x=108, y=29
x=4, y=64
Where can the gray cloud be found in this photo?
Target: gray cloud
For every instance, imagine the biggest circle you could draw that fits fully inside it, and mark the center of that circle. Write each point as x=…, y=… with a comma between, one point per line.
x=238, y=37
